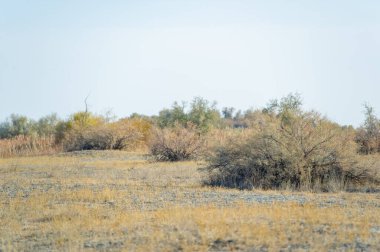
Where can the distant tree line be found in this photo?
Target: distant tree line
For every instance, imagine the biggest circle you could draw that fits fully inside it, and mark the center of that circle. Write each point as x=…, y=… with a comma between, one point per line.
x=200, y=113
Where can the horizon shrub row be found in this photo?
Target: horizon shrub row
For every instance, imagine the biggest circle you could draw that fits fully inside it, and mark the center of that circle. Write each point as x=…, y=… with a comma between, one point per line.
x=86, y=127
x=279, y=146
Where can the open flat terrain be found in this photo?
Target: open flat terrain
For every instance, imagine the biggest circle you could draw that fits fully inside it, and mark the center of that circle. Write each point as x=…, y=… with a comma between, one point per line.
x=119, y=201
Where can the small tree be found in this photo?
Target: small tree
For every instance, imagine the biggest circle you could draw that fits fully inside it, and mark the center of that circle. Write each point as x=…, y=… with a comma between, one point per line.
x=47, y=125
x=203, y=114
x=169, y=117
x=368, y=136
x=291, y=102
x=228, y=112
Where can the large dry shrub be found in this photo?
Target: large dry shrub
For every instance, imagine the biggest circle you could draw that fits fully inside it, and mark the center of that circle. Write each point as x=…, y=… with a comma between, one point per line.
x=176, y=143
x=144, y=128
x=293, y=149
x=108, y=136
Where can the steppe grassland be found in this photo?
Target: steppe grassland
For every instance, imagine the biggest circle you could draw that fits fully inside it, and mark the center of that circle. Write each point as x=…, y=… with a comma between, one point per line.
x=123, y=201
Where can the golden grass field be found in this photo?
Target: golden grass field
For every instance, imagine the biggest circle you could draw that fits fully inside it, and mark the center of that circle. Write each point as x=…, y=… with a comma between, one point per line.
x=120, y=201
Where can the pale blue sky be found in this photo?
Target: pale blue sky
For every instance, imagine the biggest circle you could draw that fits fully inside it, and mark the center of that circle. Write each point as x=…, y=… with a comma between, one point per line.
x=140, y=56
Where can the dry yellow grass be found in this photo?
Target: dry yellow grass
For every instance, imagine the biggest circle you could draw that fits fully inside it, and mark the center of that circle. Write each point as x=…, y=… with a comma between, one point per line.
x=27, y=146
x=117, y=201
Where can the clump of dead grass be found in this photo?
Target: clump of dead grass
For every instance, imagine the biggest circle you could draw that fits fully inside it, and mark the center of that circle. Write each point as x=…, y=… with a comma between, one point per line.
x=27, y=146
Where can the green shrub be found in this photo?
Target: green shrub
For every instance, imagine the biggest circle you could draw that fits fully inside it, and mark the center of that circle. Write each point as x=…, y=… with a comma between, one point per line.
x=201, y=113
x=47, y=125
x=16, y=125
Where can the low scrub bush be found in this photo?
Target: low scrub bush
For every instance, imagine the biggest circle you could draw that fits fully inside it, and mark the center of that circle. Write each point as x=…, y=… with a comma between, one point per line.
x=177, y=143
x=291, y=149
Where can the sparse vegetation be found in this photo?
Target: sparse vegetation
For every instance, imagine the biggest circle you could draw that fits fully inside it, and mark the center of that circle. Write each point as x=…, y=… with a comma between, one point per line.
x=86, y=199
x=279, y=146
x=113, y=170
x=113, y=200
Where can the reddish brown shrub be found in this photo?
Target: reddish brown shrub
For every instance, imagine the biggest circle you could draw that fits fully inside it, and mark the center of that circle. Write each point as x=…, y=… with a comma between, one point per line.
x=176, y=143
